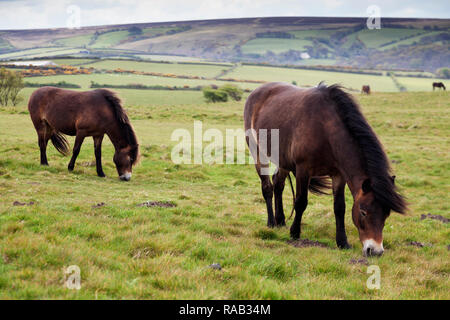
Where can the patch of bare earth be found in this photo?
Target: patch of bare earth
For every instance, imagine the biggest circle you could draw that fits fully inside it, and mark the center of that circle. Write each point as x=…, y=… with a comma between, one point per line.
x=21, y=204
x=305, y=243
x=435, y=217
x=159, y=204
x=419, y=244
x=359, y=261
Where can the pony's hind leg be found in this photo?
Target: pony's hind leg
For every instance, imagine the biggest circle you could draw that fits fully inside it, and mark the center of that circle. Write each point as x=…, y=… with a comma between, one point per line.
x=278, y=183
x=339, y=211
x=267, y=191
x=44, y=134
x=301, y=202
x=76, y=150
x=98, y=155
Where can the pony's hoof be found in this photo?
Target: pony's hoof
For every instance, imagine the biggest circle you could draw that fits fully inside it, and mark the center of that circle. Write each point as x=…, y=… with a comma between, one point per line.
x=101, y=175
x=70, y=168
x=295, y=235
x=281, y=223
x=344, y=246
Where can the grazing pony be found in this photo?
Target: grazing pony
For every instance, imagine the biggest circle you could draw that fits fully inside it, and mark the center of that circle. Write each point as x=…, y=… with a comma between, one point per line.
x=365, y=89
x=56, y=112
x=322, y=134
x=438, y=85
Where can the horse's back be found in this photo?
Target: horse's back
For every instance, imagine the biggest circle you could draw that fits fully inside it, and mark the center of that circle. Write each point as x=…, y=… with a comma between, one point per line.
x=65, y=110
x=263, y=97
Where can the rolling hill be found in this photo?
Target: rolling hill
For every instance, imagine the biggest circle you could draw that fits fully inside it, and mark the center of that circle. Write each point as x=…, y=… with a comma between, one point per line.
x=410, y=44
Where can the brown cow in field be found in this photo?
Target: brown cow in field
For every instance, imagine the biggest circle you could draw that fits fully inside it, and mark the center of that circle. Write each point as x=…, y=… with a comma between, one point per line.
x=365, y=89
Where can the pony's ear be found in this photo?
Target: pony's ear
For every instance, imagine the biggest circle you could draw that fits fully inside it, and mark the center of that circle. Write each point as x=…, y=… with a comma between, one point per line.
x=366, y=187
x=393, y=179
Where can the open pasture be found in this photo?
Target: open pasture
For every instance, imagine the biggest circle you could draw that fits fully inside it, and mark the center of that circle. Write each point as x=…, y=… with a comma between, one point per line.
x=127, y=251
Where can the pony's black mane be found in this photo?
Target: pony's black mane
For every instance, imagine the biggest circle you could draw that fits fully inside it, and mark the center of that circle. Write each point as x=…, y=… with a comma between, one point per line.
x=375, y=161
x=124, y=121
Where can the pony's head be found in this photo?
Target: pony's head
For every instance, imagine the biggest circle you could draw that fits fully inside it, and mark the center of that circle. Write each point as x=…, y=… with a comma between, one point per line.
x=125, y=158
x=369, y=214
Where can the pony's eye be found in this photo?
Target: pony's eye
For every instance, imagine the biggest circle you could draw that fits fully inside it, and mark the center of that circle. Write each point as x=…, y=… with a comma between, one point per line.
x=363, y=213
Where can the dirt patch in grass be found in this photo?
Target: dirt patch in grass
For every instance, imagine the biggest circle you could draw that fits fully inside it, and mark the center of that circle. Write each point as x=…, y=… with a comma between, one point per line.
x=434, y=217
x=98, y=205
x=359, y=261
x=88, y=164
x=159, y=204
x=21, y=204
x=304, y=243
x=419, y=244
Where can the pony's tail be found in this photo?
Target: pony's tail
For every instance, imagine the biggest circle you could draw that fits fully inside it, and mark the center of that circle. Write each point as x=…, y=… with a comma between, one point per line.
x=60, y=143
x=319, y=185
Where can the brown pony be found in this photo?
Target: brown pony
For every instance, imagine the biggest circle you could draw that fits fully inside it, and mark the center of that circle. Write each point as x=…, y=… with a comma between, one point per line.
x=438, y=85
x=55, y=112
x=365, y=89
x=322, y=133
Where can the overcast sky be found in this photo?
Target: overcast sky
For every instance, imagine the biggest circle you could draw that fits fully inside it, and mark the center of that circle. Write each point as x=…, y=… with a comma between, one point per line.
x=27, y=14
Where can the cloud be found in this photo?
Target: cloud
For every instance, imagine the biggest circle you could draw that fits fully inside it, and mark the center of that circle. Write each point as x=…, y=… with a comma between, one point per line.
x=26, y=14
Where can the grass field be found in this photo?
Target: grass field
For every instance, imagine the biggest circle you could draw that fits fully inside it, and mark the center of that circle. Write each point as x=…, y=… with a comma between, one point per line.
x=203, y=70
x=313, y=77
x=126, y=251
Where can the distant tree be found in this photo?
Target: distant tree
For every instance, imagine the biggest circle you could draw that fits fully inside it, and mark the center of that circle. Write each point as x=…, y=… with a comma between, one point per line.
x=11, y=83
x=234, y=92
x=135, y=31
x=443, y=73
x=294, y=83
x=215, y=95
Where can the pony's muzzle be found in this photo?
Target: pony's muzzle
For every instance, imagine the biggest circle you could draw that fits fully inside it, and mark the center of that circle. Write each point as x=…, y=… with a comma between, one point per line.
x=372, y=248
x=126, y=176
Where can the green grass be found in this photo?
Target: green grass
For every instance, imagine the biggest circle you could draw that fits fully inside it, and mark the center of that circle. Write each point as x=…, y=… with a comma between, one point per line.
x=313, y=77
x=77, y=41
x=5, y=45
x=262, y=45
x=410, y=40
x=85, y=80
x=201, y=70
x=128, y=252
x=377, y=37
x=419, y=84
x=39, y=52
x=110, y=39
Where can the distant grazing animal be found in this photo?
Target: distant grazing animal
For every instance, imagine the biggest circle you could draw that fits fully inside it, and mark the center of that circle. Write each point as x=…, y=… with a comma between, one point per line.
x=322, y=134
x=365, y=89
x=438, y=85
x=56, y=112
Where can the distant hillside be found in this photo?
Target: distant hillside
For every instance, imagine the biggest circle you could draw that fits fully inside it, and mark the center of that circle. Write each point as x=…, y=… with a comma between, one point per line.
x=412, y=44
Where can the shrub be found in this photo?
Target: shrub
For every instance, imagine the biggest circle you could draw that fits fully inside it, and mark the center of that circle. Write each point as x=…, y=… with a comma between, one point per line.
x=10, y=85
x=215, y=95
x=233, y=91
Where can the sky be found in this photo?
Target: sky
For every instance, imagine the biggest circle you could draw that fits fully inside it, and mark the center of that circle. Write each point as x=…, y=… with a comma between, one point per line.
x=30, y=14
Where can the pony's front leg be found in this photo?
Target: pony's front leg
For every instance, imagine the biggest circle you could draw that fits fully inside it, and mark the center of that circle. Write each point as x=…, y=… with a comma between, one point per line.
x=339, y=211
x=76, y=150
x=301, y=202
x=98, y=155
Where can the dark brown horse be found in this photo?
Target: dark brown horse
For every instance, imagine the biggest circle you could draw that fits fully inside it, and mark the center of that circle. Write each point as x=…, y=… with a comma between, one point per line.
x=56, y=112
x=438, y=85
x=365, y=89
x=322, y=133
